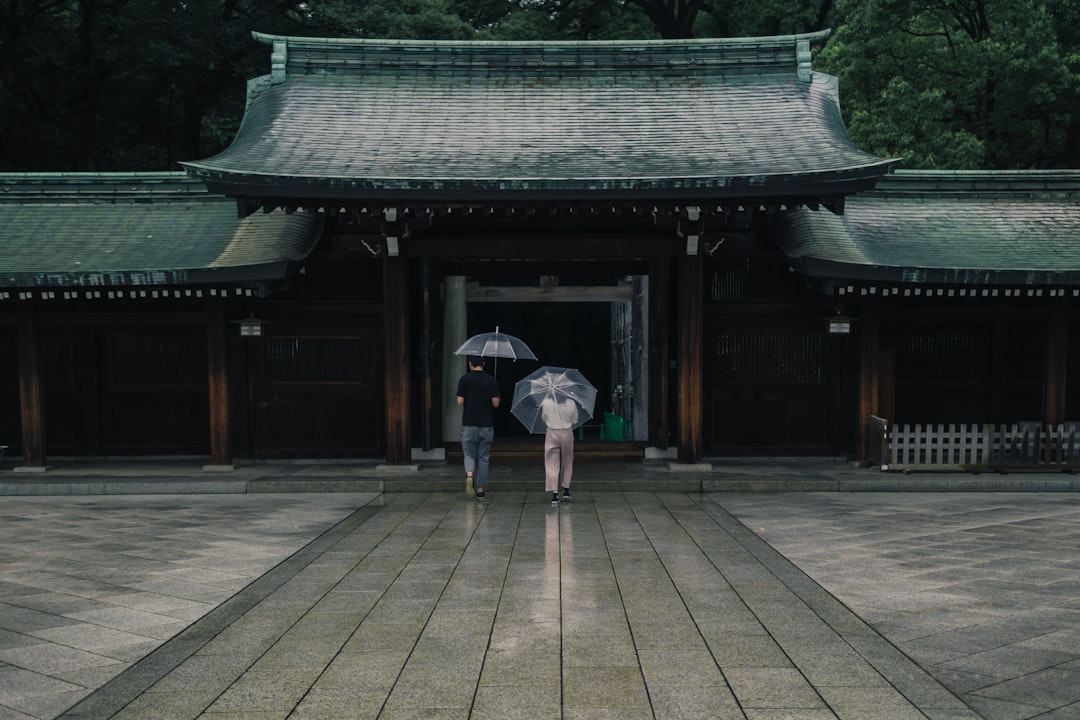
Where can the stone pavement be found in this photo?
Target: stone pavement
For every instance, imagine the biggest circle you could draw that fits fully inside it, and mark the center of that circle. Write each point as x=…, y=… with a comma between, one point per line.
x=982, y=590
x=621, y=603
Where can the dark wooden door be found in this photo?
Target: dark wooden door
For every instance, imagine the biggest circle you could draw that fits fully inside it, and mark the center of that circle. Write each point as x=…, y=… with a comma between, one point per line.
x=316, y=389
x=767, y=387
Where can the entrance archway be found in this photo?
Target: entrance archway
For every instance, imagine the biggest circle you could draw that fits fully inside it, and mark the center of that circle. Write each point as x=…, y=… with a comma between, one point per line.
x=560, y=333
x=599, y=328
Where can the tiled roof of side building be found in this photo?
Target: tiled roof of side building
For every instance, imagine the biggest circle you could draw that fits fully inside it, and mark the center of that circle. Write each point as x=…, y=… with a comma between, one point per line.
x=429, y=121
x=946, y=227
x=112, y=230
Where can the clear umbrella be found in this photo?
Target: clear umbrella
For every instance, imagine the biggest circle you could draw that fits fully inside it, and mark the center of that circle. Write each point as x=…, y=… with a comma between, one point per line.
x=566, y=392
x=496, y=344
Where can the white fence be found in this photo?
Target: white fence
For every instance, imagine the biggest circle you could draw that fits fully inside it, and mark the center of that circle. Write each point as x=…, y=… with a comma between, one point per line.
x=1026, y=447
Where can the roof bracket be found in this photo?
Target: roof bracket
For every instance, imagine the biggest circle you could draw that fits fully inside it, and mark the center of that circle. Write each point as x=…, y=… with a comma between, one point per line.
x=278, y=58
x=802, y=59
x=245, y=207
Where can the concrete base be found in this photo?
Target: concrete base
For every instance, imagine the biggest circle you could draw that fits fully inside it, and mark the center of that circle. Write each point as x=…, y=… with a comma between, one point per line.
x=690, y=467
x=655, y=453
x=385, y=469
x=31, y=468
x=218, y=468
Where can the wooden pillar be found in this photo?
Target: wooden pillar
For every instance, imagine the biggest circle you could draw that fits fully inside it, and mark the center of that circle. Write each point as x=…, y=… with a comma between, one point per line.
x=639, y=323
x=396, y=332
x=453, y=332
x=659, y=362
x=218, y=370
x=31, y=394
x=1057, y=356
x=869, y=365
x=690, y=322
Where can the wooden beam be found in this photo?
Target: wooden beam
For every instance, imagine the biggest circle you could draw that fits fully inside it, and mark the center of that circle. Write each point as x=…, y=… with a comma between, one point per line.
x=396, y=333
x=566, y=270
x=31, y=397
x=554, y=246
x=129, y=318
x=691, y=328
x=561, y=293
x=218, y=375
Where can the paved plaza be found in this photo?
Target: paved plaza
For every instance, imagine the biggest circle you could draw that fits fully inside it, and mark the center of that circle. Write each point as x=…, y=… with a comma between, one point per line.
x=617, y=604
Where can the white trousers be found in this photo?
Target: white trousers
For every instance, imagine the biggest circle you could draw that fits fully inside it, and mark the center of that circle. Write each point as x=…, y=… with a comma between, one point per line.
x=558, y=459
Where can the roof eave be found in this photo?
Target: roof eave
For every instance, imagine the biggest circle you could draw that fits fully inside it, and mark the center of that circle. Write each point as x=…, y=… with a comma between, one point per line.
x=852, y=273
x=281, y=190
x=245, y=275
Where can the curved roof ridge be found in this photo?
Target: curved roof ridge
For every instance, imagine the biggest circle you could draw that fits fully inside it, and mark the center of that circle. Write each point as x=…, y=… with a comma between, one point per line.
x=463, y=58
x=816, y=36
x=1060, y=184
x=61, y=187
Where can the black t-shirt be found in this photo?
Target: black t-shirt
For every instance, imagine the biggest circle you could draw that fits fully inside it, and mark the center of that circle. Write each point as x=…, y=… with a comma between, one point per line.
x=478, y=388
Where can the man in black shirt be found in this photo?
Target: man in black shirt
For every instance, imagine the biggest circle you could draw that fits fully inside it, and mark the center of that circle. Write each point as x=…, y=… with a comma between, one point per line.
x=478, y=395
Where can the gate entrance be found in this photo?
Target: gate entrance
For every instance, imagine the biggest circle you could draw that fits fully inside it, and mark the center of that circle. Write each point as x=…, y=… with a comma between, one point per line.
x=560, y=334
x=599, y=329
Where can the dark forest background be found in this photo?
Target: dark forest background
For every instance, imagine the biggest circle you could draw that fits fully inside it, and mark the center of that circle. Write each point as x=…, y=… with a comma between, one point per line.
x=137, y=85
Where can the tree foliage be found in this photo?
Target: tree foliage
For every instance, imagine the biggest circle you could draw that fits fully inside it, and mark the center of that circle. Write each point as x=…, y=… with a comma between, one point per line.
x=142, y=84
x=124, y=85
x=961, y=83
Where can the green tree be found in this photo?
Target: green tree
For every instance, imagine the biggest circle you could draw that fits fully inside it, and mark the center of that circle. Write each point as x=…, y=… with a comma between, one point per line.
x=960, y=84
x=91, y=85
x=739, y=18
x=123, y=85
x=139, y=85
x=406, y=19
x=674, y=19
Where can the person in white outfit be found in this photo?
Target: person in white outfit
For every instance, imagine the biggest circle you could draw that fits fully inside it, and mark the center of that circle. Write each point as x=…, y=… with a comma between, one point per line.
x=559, y=417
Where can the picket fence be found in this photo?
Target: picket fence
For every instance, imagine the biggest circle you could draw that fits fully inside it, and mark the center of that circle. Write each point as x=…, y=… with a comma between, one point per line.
x=1001, y=448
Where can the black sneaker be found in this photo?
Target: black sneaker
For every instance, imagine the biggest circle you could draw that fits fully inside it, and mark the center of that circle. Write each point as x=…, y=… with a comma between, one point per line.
x=554, y=498
x=480, y=493
x=566, y=493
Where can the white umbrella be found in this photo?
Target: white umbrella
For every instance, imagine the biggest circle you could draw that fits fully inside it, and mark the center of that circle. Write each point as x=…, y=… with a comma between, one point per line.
x=562, y=386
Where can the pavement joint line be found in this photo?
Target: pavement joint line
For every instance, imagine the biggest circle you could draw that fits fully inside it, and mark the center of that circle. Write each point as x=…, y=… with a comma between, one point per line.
x=112, y=697
x=900, y=671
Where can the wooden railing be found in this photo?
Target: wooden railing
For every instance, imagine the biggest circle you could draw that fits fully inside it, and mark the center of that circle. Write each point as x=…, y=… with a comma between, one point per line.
x=1001, y=448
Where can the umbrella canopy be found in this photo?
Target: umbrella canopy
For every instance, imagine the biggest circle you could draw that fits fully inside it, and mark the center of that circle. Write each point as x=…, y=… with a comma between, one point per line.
x=496, y=344
x=562, y=394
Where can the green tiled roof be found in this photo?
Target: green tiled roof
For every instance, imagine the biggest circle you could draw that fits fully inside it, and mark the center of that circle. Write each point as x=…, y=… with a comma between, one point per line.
x=429, y=121
x=106, y=230
x=955, y=228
